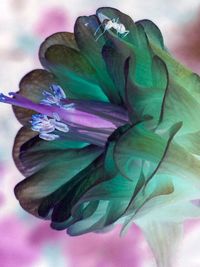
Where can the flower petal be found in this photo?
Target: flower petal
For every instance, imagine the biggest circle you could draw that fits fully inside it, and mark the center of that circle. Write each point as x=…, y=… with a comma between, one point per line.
x=74, y=72
x=91, y=223
x=127, y=65
x=81, y=183
x=140, y=144
x=31, y=153
x=112, y=13
x=178, y=73
x=58, y=38
x=153, y=33
x=57, y=172
x=190, y=142
x=186, y=107
x=84, y=31
x=147, y=100
x=32, y=86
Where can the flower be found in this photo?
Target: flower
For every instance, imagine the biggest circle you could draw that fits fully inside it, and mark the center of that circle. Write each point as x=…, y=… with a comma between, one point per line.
x=110, y=132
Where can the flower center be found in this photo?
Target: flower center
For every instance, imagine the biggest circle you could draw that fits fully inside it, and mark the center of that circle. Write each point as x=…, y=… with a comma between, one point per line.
x=59, y=117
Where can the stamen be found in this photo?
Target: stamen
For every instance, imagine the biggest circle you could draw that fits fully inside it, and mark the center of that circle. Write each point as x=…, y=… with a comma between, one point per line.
x=48, y=137
x=69, y=106
x=56, y=116
x=90, y=121
x=42, y=124
x=55, y=97
x=58, y=91
x=61, y=126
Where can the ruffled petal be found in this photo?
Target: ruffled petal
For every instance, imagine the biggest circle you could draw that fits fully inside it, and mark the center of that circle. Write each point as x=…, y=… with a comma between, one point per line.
x=178, y=73
x=31, y=153
x=57, y=171
x=127, y=64
x=139, y=144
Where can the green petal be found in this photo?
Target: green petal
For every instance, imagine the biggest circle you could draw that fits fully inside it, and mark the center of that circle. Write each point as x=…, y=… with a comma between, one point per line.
x=31, y=86
x=110, y=168
x=178, y=73
x=128, y=64
x=139, y=144
x=91, y=223
x=112, y=13
x=115, y=60
x=59, y=38
x=101, y=219
x=83, y=212
x=153, y=32
x=117, y=191
x=75, y=74
x=180, y=105
x=147, y=100
x=31, y=153
x=112, y=188
x=79, y=185
x=23, y=136
x=84, y=30
x=61, y=166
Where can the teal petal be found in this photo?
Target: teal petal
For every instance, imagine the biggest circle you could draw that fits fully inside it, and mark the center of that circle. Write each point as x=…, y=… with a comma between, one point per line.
x=60, y=166
x=110, y=13
x=127, y=64
x=147, y=100
x=177, y=107
x=82, y=182
x=91, y=223
x=75, y=74
x=153, y=33
x=31, y=153
x=178, y=73
x=84, y=30
x=83, y=211
x=140, y=144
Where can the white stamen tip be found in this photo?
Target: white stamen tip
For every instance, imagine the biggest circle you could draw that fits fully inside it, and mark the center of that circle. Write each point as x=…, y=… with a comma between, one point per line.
x=56, y=116
x=48, y=137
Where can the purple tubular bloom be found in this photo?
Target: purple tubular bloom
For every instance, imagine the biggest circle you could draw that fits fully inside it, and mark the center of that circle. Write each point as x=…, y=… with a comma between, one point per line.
x=91, y=121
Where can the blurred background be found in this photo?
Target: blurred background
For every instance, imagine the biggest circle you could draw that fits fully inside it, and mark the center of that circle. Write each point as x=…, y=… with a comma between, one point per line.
x=24, y=240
